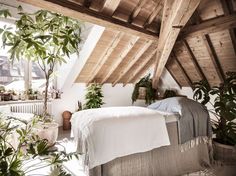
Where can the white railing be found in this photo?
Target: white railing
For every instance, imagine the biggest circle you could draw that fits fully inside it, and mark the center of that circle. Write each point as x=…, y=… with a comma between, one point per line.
x=35, y=107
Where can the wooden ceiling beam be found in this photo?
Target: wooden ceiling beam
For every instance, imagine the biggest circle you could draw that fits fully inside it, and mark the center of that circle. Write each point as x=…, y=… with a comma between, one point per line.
x=109, y=6
x=136, y=71
x=175, y=15
x=143, y=71
x=77, y=11
x=136, y=10
x=214, y=57
x=105, y=56
x=209, y=26
x=154, y=13
x=139, y=53
x=173, y=76
x=121, y=57
x=194, y=60
x=227, y=8
x=188, y=79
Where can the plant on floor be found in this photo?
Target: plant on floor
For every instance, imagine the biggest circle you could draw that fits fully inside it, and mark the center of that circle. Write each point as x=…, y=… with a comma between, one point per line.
x=29, y=152
x=93, y=96
x=43, y=37
x=150, y=94
x=224, y=97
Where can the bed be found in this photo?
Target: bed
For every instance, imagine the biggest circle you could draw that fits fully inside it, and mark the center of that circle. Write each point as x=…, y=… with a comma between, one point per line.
x=169, y=157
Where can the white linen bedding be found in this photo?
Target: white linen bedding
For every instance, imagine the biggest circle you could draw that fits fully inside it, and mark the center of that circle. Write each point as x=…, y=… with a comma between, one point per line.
x=107, y=133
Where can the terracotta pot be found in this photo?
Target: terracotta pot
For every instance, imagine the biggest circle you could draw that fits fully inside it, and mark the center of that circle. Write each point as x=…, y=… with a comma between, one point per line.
x=66, y=115
x=224, y=153
x=47, y=131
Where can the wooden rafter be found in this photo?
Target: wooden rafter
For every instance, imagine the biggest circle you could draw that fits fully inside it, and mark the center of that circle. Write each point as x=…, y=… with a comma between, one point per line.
x=188, y=79
x=135, y=72
x=153, y=15
x=105, y=56
x=194, y=60
x=173, y=76
x=227, y=8
x=122, y=55
x=209, y=26
x=109, y=6
x=143, y=71
x=77, y=11
x=175, y=15
x=133, y=61
x=214, y=57
x=136, y=10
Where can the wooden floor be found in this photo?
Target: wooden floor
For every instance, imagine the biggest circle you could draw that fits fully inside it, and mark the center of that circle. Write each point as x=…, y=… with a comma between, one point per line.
x=218, y=169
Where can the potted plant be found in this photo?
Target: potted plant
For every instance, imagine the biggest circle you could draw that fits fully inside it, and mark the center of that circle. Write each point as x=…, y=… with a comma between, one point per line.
x=93, y=96
x=45, y=38
x=144, y=88
x=224, y=103
x=28, y=153
x=14, y=96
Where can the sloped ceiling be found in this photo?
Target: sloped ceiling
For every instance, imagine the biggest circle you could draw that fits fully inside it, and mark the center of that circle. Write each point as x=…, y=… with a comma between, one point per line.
x=205, y=48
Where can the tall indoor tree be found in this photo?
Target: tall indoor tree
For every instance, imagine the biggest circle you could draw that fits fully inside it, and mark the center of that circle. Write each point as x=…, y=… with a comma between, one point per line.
x=43, y=37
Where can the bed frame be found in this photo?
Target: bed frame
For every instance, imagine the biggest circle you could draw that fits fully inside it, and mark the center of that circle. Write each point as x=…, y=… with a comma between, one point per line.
x=176, y=159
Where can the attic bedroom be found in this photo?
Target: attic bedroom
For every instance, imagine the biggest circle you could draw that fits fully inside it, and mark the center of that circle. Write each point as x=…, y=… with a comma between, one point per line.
x=118, y=87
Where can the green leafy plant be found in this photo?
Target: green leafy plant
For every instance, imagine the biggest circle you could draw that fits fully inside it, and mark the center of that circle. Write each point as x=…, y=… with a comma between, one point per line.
x=224, y=105
x=150, y=91
x=94, y=96
x=30, y=153
x=44, y=37
x=169, y=93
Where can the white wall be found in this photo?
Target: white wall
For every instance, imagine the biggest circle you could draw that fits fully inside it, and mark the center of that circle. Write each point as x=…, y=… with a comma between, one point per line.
x=113, y=96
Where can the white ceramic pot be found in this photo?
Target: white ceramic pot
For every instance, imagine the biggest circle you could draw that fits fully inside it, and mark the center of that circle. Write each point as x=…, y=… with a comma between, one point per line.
x=47, y=131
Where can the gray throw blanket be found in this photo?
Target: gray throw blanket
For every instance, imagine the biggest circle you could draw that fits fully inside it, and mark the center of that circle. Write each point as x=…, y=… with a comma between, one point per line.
x=194, y=118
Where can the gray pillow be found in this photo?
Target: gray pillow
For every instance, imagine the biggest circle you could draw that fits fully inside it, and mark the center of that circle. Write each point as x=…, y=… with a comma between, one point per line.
x=171, y=105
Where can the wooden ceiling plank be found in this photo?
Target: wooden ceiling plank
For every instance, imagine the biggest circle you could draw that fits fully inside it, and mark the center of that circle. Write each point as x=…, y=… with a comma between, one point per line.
x=209, y=26
x=143, y=71
x=188, y=79
x=136, y=10
x=110, y=6
x=177, y=17
x=122, y=56
x=77, y=11
x=147, y=59
x=226, y=6
x=194, y=60
x=214, y=57
x=173, y=76
x=105, y=56
x=139, y=53
x=153, y=15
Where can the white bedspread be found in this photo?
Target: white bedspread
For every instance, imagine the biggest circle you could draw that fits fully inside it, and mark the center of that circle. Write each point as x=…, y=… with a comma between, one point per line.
x=112, y=132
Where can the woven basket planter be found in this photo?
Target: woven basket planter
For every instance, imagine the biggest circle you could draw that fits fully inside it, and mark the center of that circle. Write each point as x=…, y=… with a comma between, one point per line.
x=142, y=92
x=224, y=153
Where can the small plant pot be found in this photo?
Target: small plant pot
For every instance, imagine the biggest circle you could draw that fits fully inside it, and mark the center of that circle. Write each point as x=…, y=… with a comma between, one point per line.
x=142, y=92
x=15, y=97
x=47, y=131
x=224, y=153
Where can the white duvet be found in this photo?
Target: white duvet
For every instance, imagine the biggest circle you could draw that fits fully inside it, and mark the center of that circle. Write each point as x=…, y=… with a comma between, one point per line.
x=107, y=133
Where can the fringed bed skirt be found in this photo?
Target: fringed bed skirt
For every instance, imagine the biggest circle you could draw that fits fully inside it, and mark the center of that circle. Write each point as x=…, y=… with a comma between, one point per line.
x=176, y=159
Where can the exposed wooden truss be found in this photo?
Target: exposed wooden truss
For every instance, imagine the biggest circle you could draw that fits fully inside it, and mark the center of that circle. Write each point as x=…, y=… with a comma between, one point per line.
x=133, y=61
x=194, y=60
x=140, y=20
x=175, y=15
x=105, y=56
x=120, y=59
x=77, y=11
x=214, y=57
